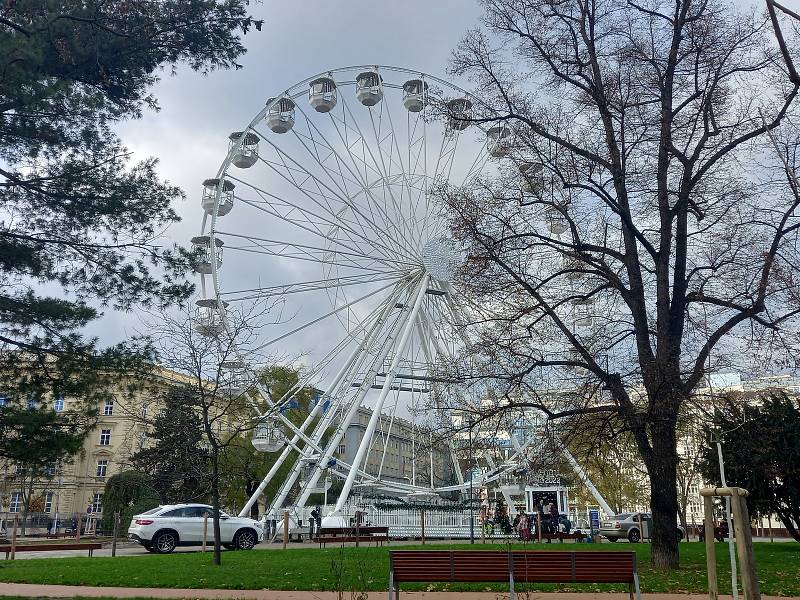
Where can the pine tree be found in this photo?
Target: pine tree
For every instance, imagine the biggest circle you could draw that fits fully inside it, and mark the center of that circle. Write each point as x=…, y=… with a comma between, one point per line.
x=176, y=458
x=77, y=217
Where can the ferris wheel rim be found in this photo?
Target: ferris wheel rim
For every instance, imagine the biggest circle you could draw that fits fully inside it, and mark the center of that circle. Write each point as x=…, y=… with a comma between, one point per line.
x=295, y=91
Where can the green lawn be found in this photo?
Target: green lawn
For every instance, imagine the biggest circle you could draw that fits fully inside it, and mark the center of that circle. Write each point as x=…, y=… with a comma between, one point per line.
x=367, y=569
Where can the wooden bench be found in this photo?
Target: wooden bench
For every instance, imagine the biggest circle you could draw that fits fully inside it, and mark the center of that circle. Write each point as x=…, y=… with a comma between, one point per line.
x=327, y=535
x=90, y=546
x=527, y=566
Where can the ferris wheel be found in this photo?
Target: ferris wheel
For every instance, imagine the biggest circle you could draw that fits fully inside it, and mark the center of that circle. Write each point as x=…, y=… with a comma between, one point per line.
x=325, y=202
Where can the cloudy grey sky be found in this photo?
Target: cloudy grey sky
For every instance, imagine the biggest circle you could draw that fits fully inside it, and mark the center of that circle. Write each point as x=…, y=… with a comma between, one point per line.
x=299, y=39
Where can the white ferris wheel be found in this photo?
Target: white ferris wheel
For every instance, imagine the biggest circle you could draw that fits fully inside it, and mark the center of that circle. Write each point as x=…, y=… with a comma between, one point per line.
x=325, y=201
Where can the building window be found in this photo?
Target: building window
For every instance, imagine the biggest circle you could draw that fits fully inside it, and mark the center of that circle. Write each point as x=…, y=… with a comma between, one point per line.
x=97, y=502
x=105, y=437
x=3, y=400
x=20, y=469
x=108, y=407
x=142, y=439
x=15, y=503
x=144, y=412
x=33, y=402
x=48, y=502
x=50, y=468
x=58, y=404
x=102, y=467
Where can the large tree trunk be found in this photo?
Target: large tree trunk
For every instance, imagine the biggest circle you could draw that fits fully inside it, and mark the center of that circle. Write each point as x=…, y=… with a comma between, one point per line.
x=662, y=467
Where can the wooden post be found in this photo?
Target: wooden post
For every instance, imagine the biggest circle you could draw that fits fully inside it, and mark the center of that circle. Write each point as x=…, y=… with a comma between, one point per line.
x=538, y=526
x=14, y=539
x=744, y=547
x=711, y=557
x=641, y=529
x=285, y=528
x=422, y=524
x=116, y=531
x=205, y=531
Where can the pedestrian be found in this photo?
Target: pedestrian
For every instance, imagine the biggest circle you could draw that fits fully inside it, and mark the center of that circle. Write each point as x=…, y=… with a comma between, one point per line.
x=524, y=528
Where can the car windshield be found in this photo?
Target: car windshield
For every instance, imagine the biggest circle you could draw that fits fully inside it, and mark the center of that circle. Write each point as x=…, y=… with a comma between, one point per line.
x=623, y=516
x=151, y=511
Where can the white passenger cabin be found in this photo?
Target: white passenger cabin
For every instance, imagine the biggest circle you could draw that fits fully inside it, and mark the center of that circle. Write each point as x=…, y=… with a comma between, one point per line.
x=369, y=88
x=322, y=94
x=210, y=189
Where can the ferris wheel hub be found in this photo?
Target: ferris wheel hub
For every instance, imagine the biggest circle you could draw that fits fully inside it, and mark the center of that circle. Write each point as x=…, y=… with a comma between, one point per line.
x=441, y=258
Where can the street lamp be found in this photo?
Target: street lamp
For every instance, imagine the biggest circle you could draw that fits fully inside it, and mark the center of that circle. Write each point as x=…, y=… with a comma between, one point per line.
x=471, y=497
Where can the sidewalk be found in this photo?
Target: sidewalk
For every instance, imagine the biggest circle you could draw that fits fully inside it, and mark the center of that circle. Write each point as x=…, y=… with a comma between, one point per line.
x=69, y=591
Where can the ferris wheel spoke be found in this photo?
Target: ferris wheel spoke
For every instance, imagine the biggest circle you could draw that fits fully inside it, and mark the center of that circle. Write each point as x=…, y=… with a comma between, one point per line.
x=325, y=316
x=386, y=167
x=335, y=217
x=309, y=225
x=375, y=229
x=299, y=288
x=318, y=253
x=373, y=165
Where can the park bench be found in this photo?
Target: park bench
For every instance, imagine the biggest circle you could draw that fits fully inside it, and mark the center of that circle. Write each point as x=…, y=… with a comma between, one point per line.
x=90, y=546
x=526, y=566
x=337, y=535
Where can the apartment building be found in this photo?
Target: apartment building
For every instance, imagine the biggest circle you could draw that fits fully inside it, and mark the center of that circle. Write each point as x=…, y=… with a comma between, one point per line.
x=77, y=484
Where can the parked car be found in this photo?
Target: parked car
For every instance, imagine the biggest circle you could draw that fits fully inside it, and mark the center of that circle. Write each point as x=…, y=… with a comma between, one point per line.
x=720, y=531
x=626, y=526
x=164, y=528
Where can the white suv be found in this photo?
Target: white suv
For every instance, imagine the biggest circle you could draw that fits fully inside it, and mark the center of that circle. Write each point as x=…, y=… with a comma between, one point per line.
x=164, y=528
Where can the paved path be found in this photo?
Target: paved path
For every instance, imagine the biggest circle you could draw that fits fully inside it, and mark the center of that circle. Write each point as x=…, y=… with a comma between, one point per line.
x=67, y=591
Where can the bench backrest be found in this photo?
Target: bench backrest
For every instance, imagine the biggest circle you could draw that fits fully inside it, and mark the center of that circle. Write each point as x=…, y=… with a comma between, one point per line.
x=527, y=565
x=47, y=547
x=352, y=530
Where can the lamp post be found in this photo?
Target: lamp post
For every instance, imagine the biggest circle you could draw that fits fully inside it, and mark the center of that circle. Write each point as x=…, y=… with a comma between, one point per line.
x=471, y=497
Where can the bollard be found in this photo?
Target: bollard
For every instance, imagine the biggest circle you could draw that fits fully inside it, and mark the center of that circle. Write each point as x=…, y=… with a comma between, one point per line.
x=285, y=528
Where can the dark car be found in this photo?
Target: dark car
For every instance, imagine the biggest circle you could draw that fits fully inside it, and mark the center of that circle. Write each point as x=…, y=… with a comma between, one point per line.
x=720, y=531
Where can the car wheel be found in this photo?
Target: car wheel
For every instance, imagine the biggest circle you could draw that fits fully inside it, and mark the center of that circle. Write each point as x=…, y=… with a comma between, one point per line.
x=165, y=542
x=245, y=539
x=612, y=540
x=634, y=536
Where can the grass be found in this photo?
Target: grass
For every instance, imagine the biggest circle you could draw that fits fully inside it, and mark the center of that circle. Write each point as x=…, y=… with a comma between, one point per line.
x=366, y=569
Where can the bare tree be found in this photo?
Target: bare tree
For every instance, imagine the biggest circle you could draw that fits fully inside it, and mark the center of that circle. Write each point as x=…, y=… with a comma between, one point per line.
x=630, y=241
x=213, y=385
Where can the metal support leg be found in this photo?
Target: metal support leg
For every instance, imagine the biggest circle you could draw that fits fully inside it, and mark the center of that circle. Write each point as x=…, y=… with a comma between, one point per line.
x=391, y=583
x=636, y=586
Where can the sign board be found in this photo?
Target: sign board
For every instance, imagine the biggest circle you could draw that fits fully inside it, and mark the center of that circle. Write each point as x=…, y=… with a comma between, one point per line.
x=594, y=519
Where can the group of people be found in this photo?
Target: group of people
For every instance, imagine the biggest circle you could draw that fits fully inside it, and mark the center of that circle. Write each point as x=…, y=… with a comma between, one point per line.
x=549, y=518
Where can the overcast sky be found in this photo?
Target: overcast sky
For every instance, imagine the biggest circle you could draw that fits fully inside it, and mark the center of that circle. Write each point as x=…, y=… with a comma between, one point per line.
x=299, y=39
